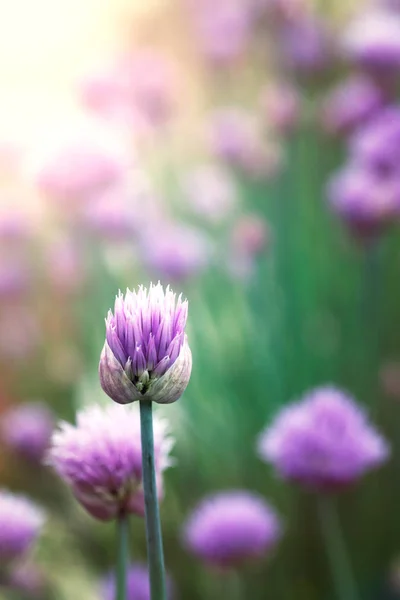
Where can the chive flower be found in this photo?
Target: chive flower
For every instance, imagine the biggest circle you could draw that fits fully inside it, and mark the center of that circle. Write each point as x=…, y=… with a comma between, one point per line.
x=100, y=458
x=146, y=355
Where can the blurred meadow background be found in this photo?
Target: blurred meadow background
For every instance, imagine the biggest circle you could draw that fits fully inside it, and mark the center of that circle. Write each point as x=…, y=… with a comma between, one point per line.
x=247, y=152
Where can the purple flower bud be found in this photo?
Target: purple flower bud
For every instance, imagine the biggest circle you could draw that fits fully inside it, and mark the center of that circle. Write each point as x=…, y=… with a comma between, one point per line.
x=101, y=459
x=351, y=104
x=365, y=201
x=27, y=430
x=20, y=525
x=175, y=251
x=146, y=355
x=138, y=584
x=231, y=528
x=324, y=441
x=211, y=192
x=372, y=40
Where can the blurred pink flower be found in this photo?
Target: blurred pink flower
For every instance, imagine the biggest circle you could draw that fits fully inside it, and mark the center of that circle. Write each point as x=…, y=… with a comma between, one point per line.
x=234, y=137
x=64, y=265
x=175, y=251
x=139, y=85
x=210, y=191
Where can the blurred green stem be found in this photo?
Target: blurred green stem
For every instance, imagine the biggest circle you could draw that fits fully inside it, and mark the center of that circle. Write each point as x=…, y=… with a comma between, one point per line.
x=335, y=547
x=155, y=553
x=232, y=587
x=122, y=555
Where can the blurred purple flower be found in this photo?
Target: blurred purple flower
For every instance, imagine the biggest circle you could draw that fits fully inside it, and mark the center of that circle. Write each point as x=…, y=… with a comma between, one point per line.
x=280, y=106
x=351, y=104
x=377, y=144
x=112, y=215
x=138, y=584
x=234, y=137
x=372, y=40
x=222, y=29
x=365, y=201
x=101, y=459
x=324, y=441
x=250, y=235
x=15, y=226
x=20, y=525
x=27, y=429
x=230, y=528
x=175, y=251
x=211, y=192
x=305, y=44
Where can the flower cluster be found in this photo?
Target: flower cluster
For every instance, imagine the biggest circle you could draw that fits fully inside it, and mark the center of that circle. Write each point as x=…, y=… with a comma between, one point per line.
x=20, y=525
x=101, y=459
x=324, y=441
x=230, y=528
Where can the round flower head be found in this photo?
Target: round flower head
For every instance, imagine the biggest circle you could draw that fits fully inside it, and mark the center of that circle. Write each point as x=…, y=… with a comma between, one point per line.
x=323, y=442
x=20, y=525
x=101, y=459
x=138, y=584
x=377, y=144
x=27, y=429
x=175, y=251
x=351, y=104
x=373, y=40
x=230, y=528
x=365, y=201
x=146, y=355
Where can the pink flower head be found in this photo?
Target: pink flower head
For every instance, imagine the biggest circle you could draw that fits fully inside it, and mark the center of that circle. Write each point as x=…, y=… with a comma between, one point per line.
x=100, y=458
x=231, y=528
x=324, y=441
x=27, y=429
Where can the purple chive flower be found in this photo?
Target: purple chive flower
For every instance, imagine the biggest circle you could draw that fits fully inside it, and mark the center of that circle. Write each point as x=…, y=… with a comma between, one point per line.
x=211, y=192
x=112, y=215
x=234, y=137
x=175, y=251
x=377, y=144
x=100, y=458
x=231, y=528
x=324, y=441
x=20, y=525
x=372, y=40
x=146, y=355
x=350, y=104
x=305, y=44
x=15, y=276
x=138, y=584
x=365, y=201
x=222, y=30
x=27, y=430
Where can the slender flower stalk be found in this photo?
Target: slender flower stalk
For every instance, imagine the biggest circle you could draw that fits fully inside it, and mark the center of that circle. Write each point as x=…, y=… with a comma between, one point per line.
x=122, y=556
x=155, y=554
x=336, y=549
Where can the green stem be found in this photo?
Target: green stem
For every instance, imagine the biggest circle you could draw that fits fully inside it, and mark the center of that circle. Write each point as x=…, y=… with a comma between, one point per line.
x=335, y=547
x=122, y=555
x=155, y=554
